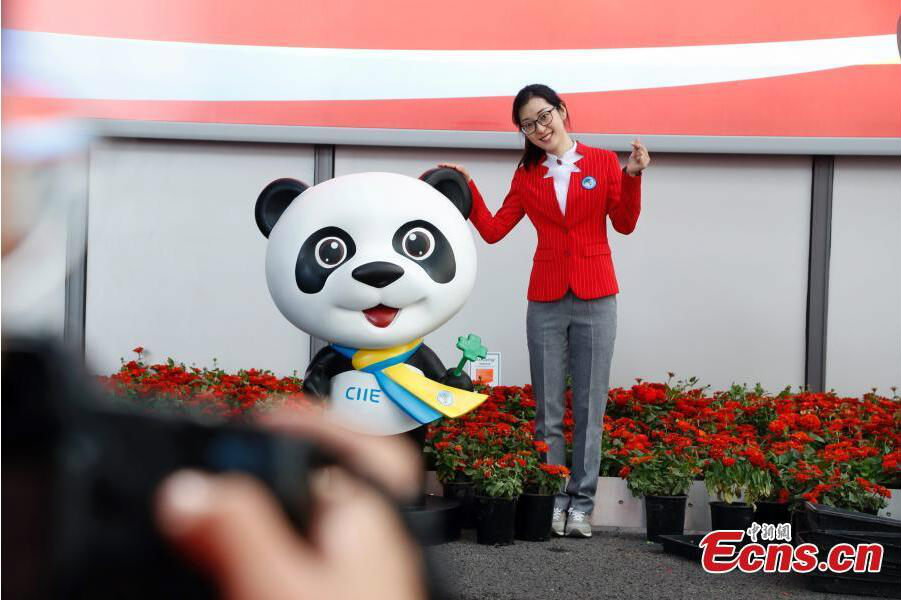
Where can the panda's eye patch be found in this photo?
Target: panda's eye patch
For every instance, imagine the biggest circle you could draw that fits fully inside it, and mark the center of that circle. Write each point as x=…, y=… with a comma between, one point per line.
x=418, y=243
x=320, y=255
x=424, y=243
x=330, y=252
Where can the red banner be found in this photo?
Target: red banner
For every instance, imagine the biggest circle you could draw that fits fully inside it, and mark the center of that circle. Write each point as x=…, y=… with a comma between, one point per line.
x=698, y=67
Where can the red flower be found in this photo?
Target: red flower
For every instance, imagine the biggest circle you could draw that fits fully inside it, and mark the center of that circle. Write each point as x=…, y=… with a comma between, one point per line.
x=621, y=400
x=624, y=472
x=728, y=461
x=756, y=457
x=800, y=437
x=873, y=488
x=559, y=470
x=809, y=422
x=778, y=426
x=138, y=350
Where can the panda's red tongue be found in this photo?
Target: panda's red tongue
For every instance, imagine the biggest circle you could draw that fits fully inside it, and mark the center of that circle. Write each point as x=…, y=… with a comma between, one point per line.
x=381, y=315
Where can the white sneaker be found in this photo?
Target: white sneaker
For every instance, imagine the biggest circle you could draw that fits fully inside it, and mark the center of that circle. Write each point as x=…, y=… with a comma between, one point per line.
x=558, y=524
x=577, y=524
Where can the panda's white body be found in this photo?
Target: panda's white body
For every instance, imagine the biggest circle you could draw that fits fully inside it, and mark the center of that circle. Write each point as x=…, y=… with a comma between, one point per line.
x=357, y=402
x=359, y=243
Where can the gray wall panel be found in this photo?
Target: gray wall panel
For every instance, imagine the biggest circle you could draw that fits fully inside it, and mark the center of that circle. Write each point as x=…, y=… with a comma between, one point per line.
x=491, y=139
x=176, y=262
x=864, y=342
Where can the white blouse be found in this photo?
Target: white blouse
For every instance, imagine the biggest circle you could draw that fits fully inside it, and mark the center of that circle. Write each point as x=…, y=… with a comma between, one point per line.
x=560, y=167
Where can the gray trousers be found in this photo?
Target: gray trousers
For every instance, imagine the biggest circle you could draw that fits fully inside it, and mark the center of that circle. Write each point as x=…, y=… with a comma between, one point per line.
x=578, y=334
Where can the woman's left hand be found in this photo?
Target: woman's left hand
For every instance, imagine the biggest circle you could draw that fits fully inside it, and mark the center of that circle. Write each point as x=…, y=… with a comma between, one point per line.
x=639, y=159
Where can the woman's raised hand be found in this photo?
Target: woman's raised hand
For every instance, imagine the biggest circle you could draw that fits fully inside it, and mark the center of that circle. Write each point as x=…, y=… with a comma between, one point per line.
x=639, y=159
x=459, y=168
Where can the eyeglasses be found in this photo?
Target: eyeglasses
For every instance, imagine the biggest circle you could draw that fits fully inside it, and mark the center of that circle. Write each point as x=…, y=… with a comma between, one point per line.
x=544, y=119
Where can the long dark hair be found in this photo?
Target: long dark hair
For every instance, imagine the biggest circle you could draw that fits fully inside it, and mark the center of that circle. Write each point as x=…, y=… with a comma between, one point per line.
x=532, y=154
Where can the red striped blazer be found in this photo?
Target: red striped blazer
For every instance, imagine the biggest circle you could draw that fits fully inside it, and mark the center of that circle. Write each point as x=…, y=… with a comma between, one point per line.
x=573, y=253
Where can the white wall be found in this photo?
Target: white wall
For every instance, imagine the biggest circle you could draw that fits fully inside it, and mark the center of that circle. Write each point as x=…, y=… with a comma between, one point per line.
x=175, y=259
x=713, y=281
x=863, y=345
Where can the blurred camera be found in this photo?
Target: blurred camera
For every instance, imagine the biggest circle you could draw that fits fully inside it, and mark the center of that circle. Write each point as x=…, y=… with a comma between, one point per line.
x=79, y=478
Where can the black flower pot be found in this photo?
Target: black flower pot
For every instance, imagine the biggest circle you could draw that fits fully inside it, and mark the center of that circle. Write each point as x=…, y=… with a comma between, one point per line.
x=665, y=515
x=462, y=492
x=534, y=513
x=495, y=520
x=772, y=512
x=735, y=515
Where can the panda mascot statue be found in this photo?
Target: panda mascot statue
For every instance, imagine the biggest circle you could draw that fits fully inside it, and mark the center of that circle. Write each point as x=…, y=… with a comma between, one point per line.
x=371, y=263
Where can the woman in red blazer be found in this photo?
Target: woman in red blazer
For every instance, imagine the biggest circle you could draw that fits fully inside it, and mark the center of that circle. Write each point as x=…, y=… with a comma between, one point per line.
x=568, y=190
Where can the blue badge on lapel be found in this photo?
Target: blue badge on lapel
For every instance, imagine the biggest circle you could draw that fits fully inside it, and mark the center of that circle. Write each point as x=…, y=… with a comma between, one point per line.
x=589, y=182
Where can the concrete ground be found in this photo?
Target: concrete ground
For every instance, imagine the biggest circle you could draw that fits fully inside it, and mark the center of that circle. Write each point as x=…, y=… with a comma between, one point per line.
x=611, y=564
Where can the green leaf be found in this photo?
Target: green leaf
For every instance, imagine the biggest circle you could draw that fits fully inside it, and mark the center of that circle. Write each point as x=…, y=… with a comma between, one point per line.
x=472, y=347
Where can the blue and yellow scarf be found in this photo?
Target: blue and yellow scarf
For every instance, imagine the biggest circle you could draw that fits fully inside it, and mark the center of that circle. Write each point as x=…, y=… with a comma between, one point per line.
x=424, y=399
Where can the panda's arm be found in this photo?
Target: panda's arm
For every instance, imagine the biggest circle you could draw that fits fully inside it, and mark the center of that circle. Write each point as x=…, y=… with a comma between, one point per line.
x=325, y=365
x=428, y=362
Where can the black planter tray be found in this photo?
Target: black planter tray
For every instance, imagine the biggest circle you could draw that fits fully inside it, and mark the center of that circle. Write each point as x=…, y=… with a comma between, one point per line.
x=874, y=585
x=437, y=521
x=826, y=539
x=686, y=546
x=822, y=517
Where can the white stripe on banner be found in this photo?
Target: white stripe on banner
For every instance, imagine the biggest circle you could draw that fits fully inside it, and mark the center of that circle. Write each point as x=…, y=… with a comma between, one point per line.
x=75, y=66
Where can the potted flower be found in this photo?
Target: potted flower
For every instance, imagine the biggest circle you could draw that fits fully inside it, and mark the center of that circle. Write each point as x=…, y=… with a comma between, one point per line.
x=451, y=467
x=663, y=477
x=450, y=461
x=775, y=508
x=855, y=493
x=497, y=485
x=789, y=435
x=535, y=508
x=733, y=476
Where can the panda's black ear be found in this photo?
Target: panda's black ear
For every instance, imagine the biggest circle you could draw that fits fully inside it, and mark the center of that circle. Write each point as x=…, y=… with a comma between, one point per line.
x=273, y=201
x=453, y=185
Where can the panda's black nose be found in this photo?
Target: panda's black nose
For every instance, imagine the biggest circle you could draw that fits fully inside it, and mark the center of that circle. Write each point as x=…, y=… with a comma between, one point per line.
x=377, y=274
